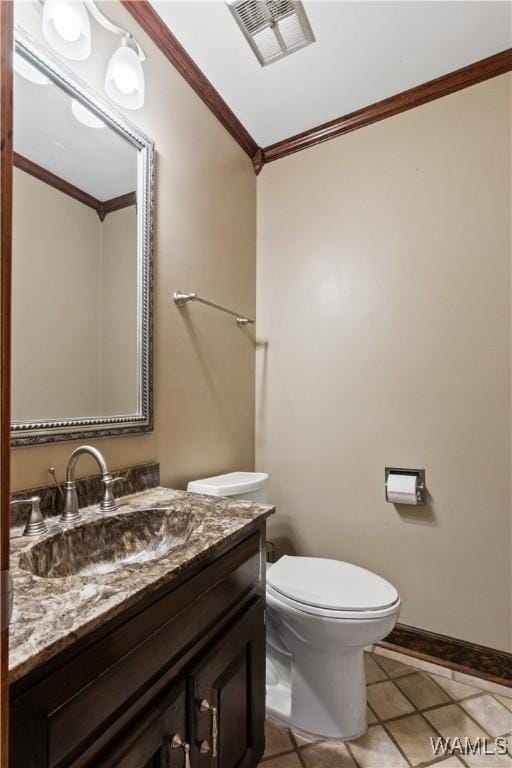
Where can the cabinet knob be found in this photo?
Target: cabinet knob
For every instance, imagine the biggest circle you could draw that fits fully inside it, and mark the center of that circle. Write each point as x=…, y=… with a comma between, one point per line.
x=204, y=747
x=177, y=742
x=205, y=706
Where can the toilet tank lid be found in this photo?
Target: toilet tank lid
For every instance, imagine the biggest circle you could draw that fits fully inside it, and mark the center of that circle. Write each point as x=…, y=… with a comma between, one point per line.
x=231, y=484
x=333, y=584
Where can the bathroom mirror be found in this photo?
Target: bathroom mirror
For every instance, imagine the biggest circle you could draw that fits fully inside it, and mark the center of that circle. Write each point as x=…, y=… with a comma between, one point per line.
x=81, y=288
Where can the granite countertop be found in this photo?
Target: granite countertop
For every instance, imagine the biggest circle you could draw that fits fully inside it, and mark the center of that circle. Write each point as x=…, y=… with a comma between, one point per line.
x=49, y=614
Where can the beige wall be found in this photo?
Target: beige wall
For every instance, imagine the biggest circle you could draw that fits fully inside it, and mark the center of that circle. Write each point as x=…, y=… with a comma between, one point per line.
x=118, y=316
x=204, y=241
x=384, y=294
x=56, y=248
x=74, y=336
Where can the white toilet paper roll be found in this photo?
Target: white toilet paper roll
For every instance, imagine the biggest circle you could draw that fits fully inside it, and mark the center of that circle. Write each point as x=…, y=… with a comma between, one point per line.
x=402, y=489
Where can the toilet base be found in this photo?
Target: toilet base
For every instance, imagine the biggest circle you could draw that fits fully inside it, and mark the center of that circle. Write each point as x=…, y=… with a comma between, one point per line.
x=274, y=711
x=330, y=706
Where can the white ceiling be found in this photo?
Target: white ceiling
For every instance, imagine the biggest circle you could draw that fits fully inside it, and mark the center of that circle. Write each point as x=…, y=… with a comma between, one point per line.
x=364, y=52
x=97, y=160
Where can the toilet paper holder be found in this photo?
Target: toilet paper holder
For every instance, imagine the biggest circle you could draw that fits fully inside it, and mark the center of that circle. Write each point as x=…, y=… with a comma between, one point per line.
x=421, y=489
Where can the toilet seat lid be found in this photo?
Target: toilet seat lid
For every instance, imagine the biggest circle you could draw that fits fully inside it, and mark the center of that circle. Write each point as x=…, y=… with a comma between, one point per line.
x=331, y=584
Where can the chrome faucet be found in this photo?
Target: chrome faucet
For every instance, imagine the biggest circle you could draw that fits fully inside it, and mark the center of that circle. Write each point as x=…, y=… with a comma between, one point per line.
x=71, y=512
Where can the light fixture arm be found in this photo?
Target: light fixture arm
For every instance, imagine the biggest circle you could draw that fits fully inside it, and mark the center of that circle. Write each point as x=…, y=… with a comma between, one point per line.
x=111, y=27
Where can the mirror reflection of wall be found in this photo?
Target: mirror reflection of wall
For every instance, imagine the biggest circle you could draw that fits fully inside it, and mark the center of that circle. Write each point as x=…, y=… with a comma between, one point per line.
x=75, y=259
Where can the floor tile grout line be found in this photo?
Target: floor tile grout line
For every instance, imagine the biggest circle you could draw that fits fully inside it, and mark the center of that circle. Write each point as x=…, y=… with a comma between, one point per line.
x=346, y=744
x=350, y=752
x=391, y=679
x=471, y=717
x=424, y=763
x=434, y=727
x=301, y=759
x=397, y=745
x=407, y=714
x=495, y=697
x=373, y=656
x=431, y=763
x=292, y=738
x=419, y=708
x=446, y=693
x=433, y=708
x=452, y=698
x=371, y=710
x=383, y=726
x=277, y=754
x=478, y=722
x=411, y=702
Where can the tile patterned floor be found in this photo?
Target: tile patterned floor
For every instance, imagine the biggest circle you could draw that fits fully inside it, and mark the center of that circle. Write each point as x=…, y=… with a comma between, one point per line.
x=409, y=702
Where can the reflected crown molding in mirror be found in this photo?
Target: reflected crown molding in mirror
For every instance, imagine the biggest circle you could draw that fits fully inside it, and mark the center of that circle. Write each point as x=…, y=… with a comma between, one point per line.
x=141, y=420
x=102, y=208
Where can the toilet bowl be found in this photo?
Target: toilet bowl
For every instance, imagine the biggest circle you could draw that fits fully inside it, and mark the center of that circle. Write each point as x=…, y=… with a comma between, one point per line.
x=321, y=614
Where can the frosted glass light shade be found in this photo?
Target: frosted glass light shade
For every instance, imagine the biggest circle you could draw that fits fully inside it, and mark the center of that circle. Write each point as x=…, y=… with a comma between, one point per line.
x=28, y=71
x=124, y=80
x=66, y=28
x=85, y=116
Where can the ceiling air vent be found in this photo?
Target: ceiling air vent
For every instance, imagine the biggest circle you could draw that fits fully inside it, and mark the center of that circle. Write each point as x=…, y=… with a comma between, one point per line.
x=273, y=28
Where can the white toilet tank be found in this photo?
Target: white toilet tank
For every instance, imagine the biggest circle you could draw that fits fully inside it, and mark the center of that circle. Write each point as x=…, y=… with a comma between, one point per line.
x=245, y=486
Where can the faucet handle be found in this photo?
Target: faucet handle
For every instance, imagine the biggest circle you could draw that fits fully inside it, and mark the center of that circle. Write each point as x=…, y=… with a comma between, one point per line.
x=108, y=503
x=35, y=524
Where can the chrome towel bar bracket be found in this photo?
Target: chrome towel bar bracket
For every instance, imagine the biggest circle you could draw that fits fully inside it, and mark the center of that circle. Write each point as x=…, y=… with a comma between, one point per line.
x=180, y=299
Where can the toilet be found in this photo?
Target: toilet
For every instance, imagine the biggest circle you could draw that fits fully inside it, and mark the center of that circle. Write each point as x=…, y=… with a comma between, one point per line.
x=321, y=614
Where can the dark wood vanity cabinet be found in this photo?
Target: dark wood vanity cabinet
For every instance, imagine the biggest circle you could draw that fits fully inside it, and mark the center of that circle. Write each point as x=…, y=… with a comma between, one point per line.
x=226, y=695
x=180, y=681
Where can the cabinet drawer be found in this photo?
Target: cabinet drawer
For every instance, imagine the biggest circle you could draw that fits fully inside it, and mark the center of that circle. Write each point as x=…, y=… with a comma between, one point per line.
x=72, y=706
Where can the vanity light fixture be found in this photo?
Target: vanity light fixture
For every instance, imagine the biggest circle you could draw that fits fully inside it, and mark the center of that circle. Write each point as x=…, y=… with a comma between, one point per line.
x=124, y=79
x=85, y=116
x=66, y=27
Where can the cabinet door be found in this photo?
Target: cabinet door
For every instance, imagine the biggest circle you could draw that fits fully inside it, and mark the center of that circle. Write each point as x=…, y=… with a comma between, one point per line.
x=156, y=740
x=227, y=696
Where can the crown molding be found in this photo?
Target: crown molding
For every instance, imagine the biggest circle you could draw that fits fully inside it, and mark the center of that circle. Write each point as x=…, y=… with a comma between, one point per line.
x=117, y=203
x=472, y=74
x=161, y=35
x=154, y=26
x=102, y=207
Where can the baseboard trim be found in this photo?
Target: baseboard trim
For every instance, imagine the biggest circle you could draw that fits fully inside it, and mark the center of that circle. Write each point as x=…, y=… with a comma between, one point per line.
x=459, y=655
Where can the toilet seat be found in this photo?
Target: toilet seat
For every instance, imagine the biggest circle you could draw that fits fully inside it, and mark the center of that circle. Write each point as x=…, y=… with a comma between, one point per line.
x=331, y=588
